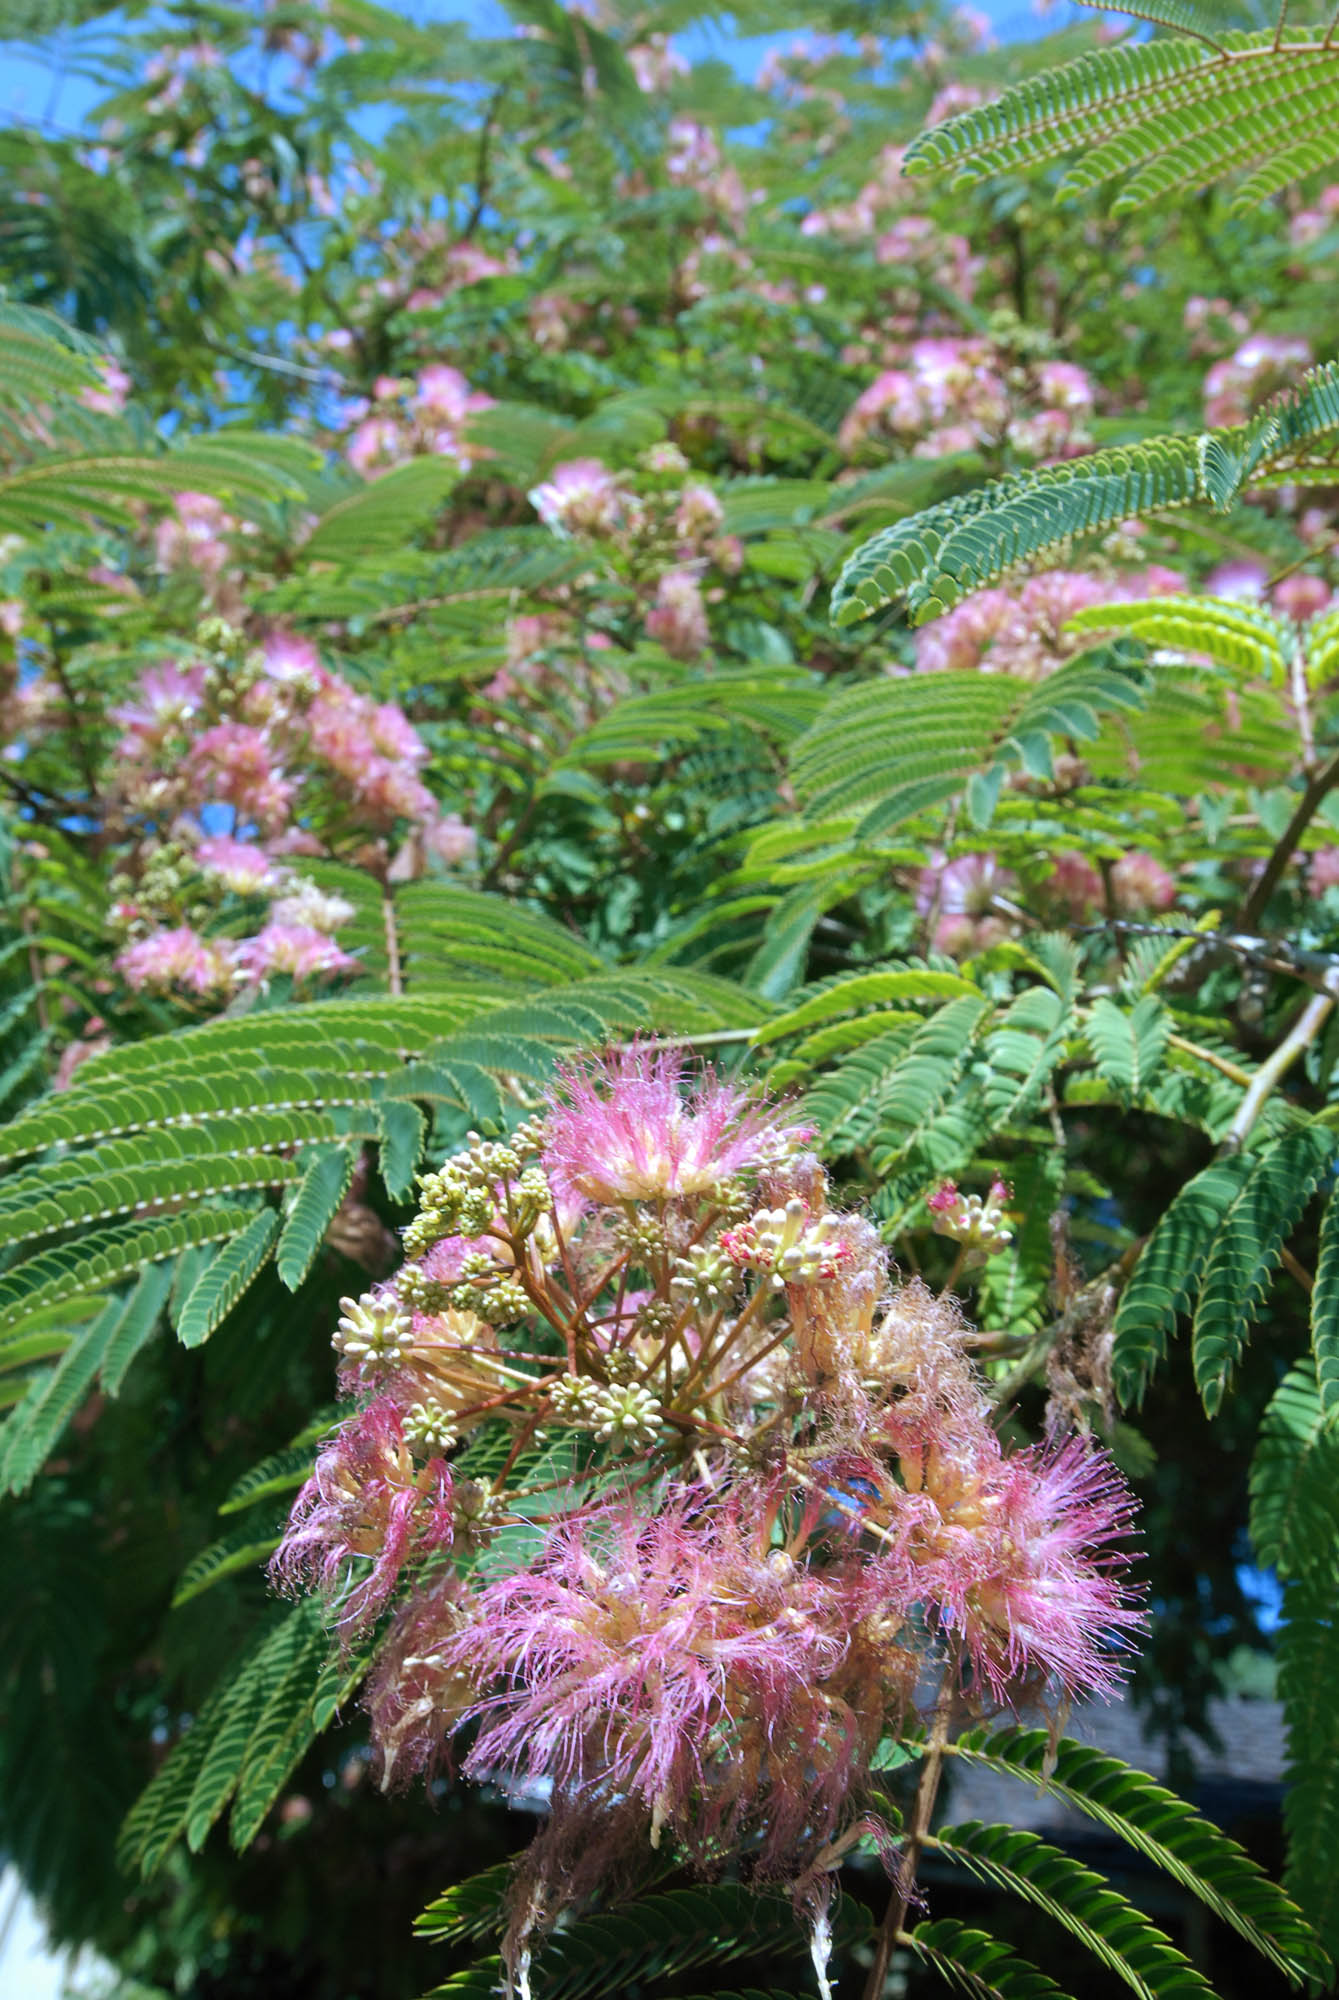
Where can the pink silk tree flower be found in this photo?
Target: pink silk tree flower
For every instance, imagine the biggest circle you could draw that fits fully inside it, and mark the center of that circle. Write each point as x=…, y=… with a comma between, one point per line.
x=366, y=1502
x=680, y=1662
x=580, y=497
x=1026, y=1556
x=240, y=865
x=298, y=949
x=177, y=958
x=623, y=1130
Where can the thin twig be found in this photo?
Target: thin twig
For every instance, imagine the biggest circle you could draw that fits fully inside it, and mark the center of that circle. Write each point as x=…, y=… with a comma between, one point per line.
x=1318, y=784
x=1271, y=1072
x=926, y=1792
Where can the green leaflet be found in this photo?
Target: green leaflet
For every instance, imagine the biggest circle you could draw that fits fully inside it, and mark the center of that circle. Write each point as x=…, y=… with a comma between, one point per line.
x=1127, y=1047
x=865, y=989
x=1295, y=1482
x=323, y=1187
x=1077, y=1898
x=937, y=557
x=403, y=1131
x=1169, y=113
x=244, y=1548
x=245, y=1740
x=1308, y=1680
x=1246, y=1251
x=659, y=1936
x=138, y=1324
x=1162, y=1827
x=1325, y=1312
x=218, y=1288
x=72, y=1268
x=978, y=1965
x=1167, y=1274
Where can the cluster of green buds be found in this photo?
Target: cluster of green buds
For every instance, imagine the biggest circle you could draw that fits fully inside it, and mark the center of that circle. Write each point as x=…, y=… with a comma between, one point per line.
x=978, y=1223
x=460, y=1198
x=624, y=1414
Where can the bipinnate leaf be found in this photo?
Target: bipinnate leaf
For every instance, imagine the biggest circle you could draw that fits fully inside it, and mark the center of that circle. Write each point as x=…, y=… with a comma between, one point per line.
x=1246, y=1250
x=979, y=1965
x=1117, y=1934
x=1325, y=1311
x=1167, y=1275
x=1162, y=1827
x=1127, y=1045
x=322, y=1188
x=227, y=1277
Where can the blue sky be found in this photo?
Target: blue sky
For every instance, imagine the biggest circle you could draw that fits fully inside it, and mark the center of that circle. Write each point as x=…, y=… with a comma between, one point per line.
x=46, y=88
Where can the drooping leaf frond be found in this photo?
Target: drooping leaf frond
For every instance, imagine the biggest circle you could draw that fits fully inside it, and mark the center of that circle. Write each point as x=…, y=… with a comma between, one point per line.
x=941, y=555
x=1167, y=114
x=1163, y=1828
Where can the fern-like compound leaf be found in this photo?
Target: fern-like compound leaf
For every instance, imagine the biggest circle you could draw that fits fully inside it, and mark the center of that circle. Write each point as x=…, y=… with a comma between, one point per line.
x=1325, y=1312
x=323, y=1187
x=1163, y=1828
x=937, y=557
x=1117, y=1934
x=1246, y=1251
x=227, y=1277
x=978, y=1965
x=661, y=1936
x=1128, y=1047
x=1167, y=1275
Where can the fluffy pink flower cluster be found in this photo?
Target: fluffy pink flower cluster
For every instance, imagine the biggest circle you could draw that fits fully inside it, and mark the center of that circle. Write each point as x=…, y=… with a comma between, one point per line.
x=278, y=738
x=1262, y=365
x=803, y=1506
x=407, y=420
x=972, y=902
x=305, y=764
x=678, y=525
x=1020, y=629
x=297, y=937
x=951, y=395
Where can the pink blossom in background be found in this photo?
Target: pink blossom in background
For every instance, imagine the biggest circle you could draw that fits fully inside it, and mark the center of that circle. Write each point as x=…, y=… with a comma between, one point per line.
x=293, y=948
x=697, y=518
x=110, y=399
x=1021, y=629
x=377, y=444
x=960, y=896
x=1073, y=886
x=234, y=763
x=1244, y=577
x=451, y=840
x=291, y=659
x=678, y=618
x=177, y=958
x=1316, y=220
x=1323, y=870
x=164, y=705
x=238, y=864
x=655, y=63
x=1141, y=885
x=581, y=497
x=1263, y=364
x=622, y=1128
x=1301, y=597
x=194, y=536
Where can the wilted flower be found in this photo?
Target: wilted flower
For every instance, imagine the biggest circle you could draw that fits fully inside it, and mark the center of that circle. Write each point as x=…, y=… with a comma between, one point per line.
x=366, y=1511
